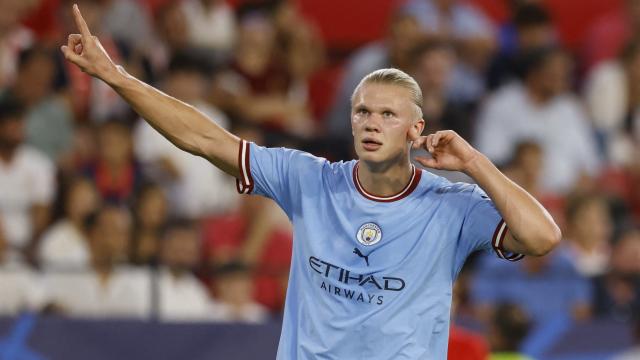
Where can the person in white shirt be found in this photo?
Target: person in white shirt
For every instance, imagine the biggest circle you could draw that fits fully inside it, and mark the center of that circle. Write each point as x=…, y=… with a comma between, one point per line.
x=211, y=24
x=182, y=297
x=108, y=288
x=20, y=288
x=612, y=96
x=27, y=181
x=234, y=296
x=589, y=233
x=64, y=245
x=192, y=184
x=539, y=109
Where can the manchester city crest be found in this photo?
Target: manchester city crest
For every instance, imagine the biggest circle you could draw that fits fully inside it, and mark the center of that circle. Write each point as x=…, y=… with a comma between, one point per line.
x=369, y=234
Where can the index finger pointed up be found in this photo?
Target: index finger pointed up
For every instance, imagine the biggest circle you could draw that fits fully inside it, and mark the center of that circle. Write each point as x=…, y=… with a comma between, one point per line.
x=80, y=23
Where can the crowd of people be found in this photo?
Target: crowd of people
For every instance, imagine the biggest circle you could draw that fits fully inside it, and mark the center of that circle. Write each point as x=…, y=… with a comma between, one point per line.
x=100, y=216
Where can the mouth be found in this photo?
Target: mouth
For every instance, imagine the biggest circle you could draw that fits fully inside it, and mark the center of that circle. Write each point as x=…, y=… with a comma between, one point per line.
x=371, y=144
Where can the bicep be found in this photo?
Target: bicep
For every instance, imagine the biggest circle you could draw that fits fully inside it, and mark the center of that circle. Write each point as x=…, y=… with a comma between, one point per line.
x=512, y=245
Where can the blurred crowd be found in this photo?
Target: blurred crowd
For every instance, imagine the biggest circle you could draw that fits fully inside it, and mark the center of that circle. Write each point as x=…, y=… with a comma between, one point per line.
x=100, y=216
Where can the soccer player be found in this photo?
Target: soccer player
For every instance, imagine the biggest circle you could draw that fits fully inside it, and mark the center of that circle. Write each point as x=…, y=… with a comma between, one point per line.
x=377, y=242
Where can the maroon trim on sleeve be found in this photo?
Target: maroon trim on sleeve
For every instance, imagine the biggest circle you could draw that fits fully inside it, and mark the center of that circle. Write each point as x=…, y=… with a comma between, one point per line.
x=497, y=242
x=244, y=184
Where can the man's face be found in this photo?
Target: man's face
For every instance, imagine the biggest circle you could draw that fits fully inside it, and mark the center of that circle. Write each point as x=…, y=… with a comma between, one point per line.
x=535, y=36
x=553, y=76
x=381, y=117
x=181, y=249
x=12, y=132
x=433, y=70
x=110, y=236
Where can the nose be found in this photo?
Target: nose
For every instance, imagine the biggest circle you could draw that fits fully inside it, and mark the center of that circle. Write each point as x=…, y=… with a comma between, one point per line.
x=372, y=123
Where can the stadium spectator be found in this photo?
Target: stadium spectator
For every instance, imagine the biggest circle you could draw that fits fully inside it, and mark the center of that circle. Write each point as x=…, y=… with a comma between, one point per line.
x=525, y=166
x=181, y=296
x=588, y=233
x=257, y=234
x=64, y=245
x=233, y=290
x=27, y=183
x=617, y=292
x=403, y=34
x=48, y=119
x=464, y=344
x=191, y=183
x=115, y=171
x=539, y=108
x=211, y=25
x=21, y=288
x=509, y=327
x=110, y=288
x=150, y=217
x=129, y=23
x=544, y=287
x=473, y=35
x=433, y=65
x=612, y=96
x=13, y=38
x=257, y=83
x=531, y=28
x=171, y=35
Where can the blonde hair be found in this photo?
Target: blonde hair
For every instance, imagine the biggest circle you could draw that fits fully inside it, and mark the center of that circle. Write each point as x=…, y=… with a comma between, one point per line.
x=396, y=77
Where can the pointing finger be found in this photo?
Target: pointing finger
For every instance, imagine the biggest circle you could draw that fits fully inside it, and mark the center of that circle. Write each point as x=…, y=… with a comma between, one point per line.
x=80, y=23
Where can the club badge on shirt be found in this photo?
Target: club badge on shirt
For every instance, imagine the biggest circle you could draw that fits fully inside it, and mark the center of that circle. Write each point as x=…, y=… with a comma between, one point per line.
x=369, y=234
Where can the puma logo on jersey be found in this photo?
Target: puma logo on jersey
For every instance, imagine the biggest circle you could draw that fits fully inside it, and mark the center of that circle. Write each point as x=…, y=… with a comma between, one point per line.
x=357, y=252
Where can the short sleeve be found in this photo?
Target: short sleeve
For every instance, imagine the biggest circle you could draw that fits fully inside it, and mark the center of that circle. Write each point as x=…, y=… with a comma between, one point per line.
x=275, y=173
x=483, y=227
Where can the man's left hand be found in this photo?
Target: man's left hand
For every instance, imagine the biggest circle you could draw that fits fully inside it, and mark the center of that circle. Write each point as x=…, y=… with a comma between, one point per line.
x=449, y=151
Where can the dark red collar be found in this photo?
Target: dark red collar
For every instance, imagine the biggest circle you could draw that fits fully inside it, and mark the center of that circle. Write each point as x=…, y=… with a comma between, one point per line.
x=413, y=183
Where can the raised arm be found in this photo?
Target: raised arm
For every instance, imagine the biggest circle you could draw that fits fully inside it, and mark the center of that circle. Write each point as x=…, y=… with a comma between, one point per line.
x=532, y=231
x=180, y=123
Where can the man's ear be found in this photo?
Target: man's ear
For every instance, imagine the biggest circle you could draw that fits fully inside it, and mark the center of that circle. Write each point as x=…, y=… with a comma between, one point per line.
x=416, y=129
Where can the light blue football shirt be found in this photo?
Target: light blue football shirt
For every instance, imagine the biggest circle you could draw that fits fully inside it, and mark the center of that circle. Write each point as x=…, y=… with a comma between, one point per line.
x=371, y=277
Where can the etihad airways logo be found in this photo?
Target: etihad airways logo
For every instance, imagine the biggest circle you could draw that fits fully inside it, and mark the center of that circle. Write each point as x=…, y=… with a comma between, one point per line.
x=370, y=284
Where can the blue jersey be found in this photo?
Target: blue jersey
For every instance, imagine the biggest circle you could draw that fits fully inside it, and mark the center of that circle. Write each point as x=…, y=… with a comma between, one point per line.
x=371, y=277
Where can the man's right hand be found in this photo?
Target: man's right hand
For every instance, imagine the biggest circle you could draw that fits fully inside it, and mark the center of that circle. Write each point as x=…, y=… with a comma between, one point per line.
x=85, y=51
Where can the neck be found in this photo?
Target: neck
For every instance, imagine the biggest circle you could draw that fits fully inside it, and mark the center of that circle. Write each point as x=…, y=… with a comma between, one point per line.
x=6, y=153
x=386, y=179
x=536, y=96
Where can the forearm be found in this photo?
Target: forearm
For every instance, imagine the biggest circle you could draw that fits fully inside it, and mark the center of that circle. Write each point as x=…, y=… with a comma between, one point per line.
x=180, y=123
x=533, y=231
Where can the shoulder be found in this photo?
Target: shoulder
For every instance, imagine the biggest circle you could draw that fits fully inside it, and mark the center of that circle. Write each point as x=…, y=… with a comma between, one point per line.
x=292, y=158
x=571, y=107
x=452, y=192
x=506, y=98
x=440, y=185
x=32, y=157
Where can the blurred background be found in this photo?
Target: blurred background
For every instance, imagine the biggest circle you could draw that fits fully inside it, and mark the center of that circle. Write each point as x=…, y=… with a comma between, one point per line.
x=116, y=245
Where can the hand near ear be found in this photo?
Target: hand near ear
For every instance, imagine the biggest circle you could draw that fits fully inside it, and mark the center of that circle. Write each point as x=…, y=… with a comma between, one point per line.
x=449, y=151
